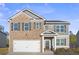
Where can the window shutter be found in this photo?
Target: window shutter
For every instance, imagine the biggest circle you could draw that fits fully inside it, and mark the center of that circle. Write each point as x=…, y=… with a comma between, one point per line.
x=54, y=28
x=34, y=25
x=29, y=25
x=19, y=26
x=65, y=28
x=11, y=26
x=22, y=26
x=65, y=41
x=40, y=25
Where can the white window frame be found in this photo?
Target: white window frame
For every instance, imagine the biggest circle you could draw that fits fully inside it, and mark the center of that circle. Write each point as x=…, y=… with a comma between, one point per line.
x=14, y=26
x=38, y=26
x=47, y=27
x=59, y=28
x=64, y=42
x=60, y=41
x=25, y=26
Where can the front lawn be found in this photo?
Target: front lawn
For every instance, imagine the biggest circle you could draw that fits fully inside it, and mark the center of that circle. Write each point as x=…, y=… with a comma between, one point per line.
x=3, y=51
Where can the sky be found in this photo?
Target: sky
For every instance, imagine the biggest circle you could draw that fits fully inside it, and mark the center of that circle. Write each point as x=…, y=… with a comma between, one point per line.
x=50, y=11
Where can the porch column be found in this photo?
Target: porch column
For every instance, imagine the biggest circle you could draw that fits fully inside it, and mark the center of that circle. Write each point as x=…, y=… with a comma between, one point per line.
x=42, y=44
x=55, y=43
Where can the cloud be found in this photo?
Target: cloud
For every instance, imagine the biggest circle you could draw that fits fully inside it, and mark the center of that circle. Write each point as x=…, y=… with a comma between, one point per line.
x=46, y=4
x=3, y=20
x=4, y=11
x=2, y=4
x=1, y=15
x=74, y=25
x=28, y=6
x=17, y=10
x=3, y=7
x=48, y=11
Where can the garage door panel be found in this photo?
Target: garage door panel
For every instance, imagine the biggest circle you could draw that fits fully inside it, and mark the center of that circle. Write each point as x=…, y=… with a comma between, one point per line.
x=26, y=46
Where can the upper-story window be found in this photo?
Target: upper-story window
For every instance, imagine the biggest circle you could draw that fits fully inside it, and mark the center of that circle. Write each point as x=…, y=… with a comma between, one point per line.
x=26, y=26
x=15, y=26
x=37, y=25
x=46, y=27
x=60, y=28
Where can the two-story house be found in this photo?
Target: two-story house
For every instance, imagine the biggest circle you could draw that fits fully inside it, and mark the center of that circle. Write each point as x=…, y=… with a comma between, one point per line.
x=30, y=32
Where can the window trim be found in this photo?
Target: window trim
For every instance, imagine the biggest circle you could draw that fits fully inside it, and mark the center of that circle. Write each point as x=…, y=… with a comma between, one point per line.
x=37, y=25
x=18, y=26
x=60, y=44
x=57, y=42
x=28, y=27
x=64, y=42
x=46, y=27
x=60, y=28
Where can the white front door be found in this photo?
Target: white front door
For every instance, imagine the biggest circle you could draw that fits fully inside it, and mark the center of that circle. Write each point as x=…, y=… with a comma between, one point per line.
x=26, y=46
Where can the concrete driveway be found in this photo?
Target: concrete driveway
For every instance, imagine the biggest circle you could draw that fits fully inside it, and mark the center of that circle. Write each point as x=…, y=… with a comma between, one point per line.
x=32, y=53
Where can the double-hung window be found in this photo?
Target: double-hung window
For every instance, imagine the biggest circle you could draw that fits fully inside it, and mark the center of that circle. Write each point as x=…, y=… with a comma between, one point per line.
x=63, y=41
x=16, y=26
x=26, y=26
x=60, y=28
x=37, y=25
x=46, y=27
x=60, y=42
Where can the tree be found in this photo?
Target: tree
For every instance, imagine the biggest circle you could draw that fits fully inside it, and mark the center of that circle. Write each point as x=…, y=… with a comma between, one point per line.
x=72, y=39
x=77, y=35
x=1, y=28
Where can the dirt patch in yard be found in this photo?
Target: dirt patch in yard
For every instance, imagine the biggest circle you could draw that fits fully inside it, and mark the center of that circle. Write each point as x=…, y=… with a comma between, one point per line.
x=3, y=51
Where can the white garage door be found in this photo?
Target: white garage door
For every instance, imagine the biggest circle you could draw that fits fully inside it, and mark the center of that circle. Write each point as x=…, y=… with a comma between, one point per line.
x=26, y=46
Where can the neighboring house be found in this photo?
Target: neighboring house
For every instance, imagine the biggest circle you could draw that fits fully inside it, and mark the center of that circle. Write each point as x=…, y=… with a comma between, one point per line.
x=77, y=36
x=7, y=45
x=30, y=32
x=3, y=39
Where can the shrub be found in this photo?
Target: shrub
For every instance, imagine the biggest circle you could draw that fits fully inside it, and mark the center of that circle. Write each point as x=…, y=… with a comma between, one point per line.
x=70, y=51
x=60, y=51
x=76, y=50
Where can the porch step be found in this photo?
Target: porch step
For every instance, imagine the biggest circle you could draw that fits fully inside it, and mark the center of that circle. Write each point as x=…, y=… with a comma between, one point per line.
x=49, y=52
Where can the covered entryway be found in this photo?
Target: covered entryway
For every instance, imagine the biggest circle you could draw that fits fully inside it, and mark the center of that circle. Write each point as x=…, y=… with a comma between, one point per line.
x=26, y=46
x=48, y=40
x=48, y=43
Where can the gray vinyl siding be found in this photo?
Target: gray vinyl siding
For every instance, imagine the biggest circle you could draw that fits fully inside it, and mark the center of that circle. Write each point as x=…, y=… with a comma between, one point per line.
x=65, y=29
x=53, y=28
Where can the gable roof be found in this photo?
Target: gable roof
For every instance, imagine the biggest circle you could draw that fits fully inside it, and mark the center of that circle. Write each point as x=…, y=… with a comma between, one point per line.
x=30, y=13
x=47, y=32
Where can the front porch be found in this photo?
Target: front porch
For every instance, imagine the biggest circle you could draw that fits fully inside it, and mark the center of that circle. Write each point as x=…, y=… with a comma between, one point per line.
x=48, y=41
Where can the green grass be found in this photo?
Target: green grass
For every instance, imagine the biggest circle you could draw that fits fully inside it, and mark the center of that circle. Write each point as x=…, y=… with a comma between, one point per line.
x=3, y=51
